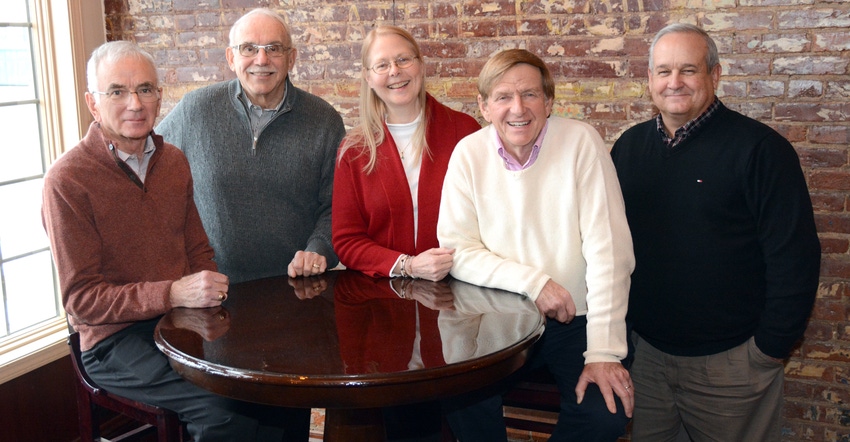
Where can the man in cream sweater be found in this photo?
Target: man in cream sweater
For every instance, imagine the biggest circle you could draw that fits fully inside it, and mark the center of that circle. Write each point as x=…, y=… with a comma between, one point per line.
x=532, y=205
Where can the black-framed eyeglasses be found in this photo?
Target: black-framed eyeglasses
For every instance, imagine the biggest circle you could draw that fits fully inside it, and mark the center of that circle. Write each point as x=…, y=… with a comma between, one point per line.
x=147, y=94
x=250, y=50
x=403, y=62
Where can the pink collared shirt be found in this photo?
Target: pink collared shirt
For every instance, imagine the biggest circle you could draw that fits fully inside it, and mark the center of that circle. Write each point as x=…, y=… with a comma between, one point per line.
x=511, y=163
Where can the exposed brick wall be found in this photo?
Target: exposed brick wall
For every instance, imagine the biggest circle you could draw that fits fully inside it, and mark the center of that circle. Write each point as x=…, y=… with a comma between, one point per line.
x=785, y=62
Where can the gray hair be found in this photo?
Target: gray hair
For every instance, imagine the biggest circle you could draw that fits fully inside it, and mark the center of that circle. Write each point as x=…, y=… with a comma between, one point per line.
x=262, y=11
x=113, y=51
x=712, y=59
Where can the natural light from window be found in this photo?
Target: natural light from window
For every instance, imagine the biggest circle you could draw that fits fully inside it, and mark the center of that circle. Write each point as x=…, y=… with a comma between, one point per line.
x=29, y=293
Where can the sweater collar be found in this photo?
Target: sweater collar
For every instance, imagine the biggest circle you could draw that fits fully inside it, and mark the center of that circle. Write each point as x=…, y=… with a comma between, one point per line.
x=288, y=102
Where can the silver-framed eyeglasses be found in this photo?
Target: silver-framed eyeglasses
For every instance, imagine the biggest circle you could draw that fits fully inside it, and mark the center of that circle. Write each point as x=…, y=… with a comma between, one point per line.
x=250, y=50
x=403, y=62
x=148, y=94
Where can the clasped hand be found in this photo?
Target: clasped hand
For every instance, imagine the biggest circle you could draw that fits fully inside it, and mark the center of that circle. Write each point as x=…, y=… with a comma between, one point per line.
x=556, y=302
x=306, y=264
x=199, y=290
x=432, y=264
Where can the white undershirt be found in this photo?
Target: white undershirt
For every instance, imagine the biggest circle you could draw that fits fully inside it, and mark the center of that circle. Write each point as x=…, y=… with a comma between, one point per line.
x=402, y=135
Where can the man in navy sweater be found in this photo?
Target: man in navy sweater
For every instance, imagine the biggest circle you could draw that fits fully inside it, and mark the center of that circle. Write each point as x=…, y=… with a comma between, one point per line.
x=727, y=255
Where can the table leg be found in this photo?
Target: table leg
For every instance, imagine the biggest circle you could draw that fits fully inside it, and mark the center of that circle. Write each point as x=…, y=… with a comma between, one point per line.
x=354, y=425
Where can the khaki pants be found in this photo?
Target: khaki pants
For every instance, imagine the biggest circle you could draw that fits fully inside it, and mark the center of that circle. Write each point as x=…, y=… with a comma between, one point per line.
x=735, y=395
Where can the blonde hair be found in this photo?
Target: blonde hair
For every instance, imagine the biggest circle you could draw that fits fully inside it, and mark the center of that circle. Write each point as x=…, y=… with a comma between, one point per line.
x=369, y=134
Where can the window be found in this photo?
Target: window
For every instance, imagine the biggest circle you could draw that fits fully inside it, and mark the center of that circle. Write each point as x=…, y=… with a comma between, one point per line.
x=38, y=71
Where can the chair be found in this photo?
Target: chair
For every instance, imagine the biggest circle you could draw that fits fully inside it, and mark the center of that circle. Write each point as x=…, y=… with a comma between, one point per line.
x=535, y=392
x=90, y=396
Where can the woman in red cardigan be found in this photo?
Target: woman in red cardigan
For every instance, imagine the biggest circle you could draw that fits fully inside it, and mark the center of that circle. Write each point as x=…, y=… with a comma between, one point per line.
x=387, y=187
x=390, y=170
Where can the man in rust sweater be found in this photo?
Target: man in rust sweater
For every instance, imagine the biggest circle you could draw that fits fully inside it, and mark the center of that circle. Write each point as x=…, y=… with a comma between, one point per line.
x=129, y=245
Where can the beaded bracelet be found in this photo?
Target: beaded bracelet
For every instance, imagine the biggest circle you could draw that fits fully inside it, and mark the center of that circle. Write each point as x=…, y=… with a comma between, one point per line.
x=403, y=272
x=410, y=273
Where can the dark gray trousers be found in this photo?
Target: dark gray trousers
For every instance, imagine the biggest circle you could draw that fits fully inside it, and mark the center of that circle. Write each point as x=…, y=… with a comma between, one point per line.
x=129, y=364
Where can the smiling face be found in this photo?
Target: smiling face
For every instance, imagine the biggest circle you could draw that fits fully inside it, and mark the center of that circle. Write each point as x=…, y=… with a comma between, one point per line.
x=399, y=89
x=128, y=122
x=263, y=78
x=681, y=85
x=518, y=108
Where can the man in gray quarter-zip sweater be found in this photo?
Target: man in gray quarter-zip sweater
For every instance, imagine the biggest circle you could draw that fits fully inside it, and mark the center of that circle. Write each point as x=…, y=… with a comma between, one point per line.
x=262, y=156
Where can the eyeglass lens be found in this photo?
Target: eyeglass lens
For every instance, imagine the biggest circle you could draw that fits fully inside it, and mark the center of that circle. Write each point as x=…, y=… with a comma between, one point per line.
x=148, y=94
x=251, y=50
x=384, y=66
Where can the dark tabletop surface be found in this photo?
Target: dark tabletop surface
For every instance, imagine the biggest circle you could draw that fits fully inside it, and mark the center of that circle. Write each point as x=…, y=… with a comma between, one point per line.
x=313, y=341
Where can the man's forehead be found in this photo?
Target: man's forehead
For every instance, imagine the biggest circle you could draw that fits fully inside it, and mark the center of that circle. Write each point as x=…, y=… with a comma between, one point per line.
x=124, y=70
x=251, y=31
x=681, y=64
x=516, y=84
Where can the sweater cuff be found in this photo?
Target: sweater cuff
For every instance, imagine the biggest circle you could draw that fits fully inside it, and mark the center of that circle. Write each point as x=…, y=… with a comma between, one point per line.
x=324, y=250
x=773, y=346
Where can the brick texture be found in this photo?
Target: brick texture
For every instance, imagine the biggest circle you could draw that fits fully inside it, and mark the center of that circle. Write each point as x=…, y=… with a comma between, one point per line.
x=785, y=62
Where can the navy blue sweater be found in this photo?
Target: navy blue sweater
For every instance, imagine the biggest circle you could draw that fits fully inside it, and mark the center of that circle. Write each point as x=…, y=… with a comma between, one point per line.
x=724, y=237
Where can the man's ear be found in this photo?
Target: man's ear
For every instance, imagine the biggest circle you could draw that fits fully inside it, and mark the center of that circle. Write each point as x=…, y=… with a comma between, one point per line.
x=482, y=106
x=92, y=105
x=228, y=54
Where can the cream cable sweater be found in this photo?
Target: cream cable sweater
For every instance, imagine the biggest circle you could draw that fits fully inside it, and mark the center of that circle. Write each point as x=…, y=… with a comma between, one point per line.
x=562, y=218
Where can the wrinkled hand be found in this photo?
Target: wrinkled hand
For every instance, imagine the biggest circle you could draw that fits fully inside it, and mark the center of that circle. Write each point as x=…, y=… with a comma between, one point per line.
x=612, y=378
x=199, y=290
x=209, y=323
x=307, y=288
x=434, y=295
x=306, y=264
x=432, y=264
x=556, y=302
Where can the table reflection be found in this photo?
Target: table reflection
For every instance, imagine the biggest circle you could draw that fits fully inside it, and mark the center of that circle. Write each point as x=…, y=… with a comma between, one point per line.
x=346, y=323
x=351, y=344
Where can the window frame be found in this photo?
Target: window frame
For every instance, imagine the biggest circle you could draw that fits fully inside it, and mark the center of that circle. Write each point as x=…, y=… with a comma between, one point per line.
x=61, y=46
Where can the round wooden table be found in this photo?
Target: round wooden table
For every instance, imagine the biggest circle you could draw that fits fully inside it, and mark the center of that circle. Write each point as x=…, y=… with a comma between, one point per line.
x=351, y=344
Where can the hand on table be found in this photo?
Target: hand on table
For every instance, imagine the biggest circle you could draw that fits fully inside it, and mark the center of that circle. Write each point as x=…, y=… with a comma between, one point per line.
x=556, y=302
x=199, y=290
x=306, y=264
x=432, y=264
x=611, y=378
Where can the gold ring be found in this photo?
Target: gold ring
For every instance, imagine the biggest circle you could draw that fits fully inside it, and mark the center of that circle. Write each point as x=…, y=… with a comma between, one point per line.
x=628, y=387
x=221, y=296
x=317, y=266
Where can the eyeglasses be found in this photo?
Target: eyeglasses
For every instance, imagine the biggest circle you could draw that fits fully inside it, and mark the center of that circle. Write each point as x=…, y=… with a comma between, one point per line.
x=147, y=94
x=251, y=50
x=403, y=62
